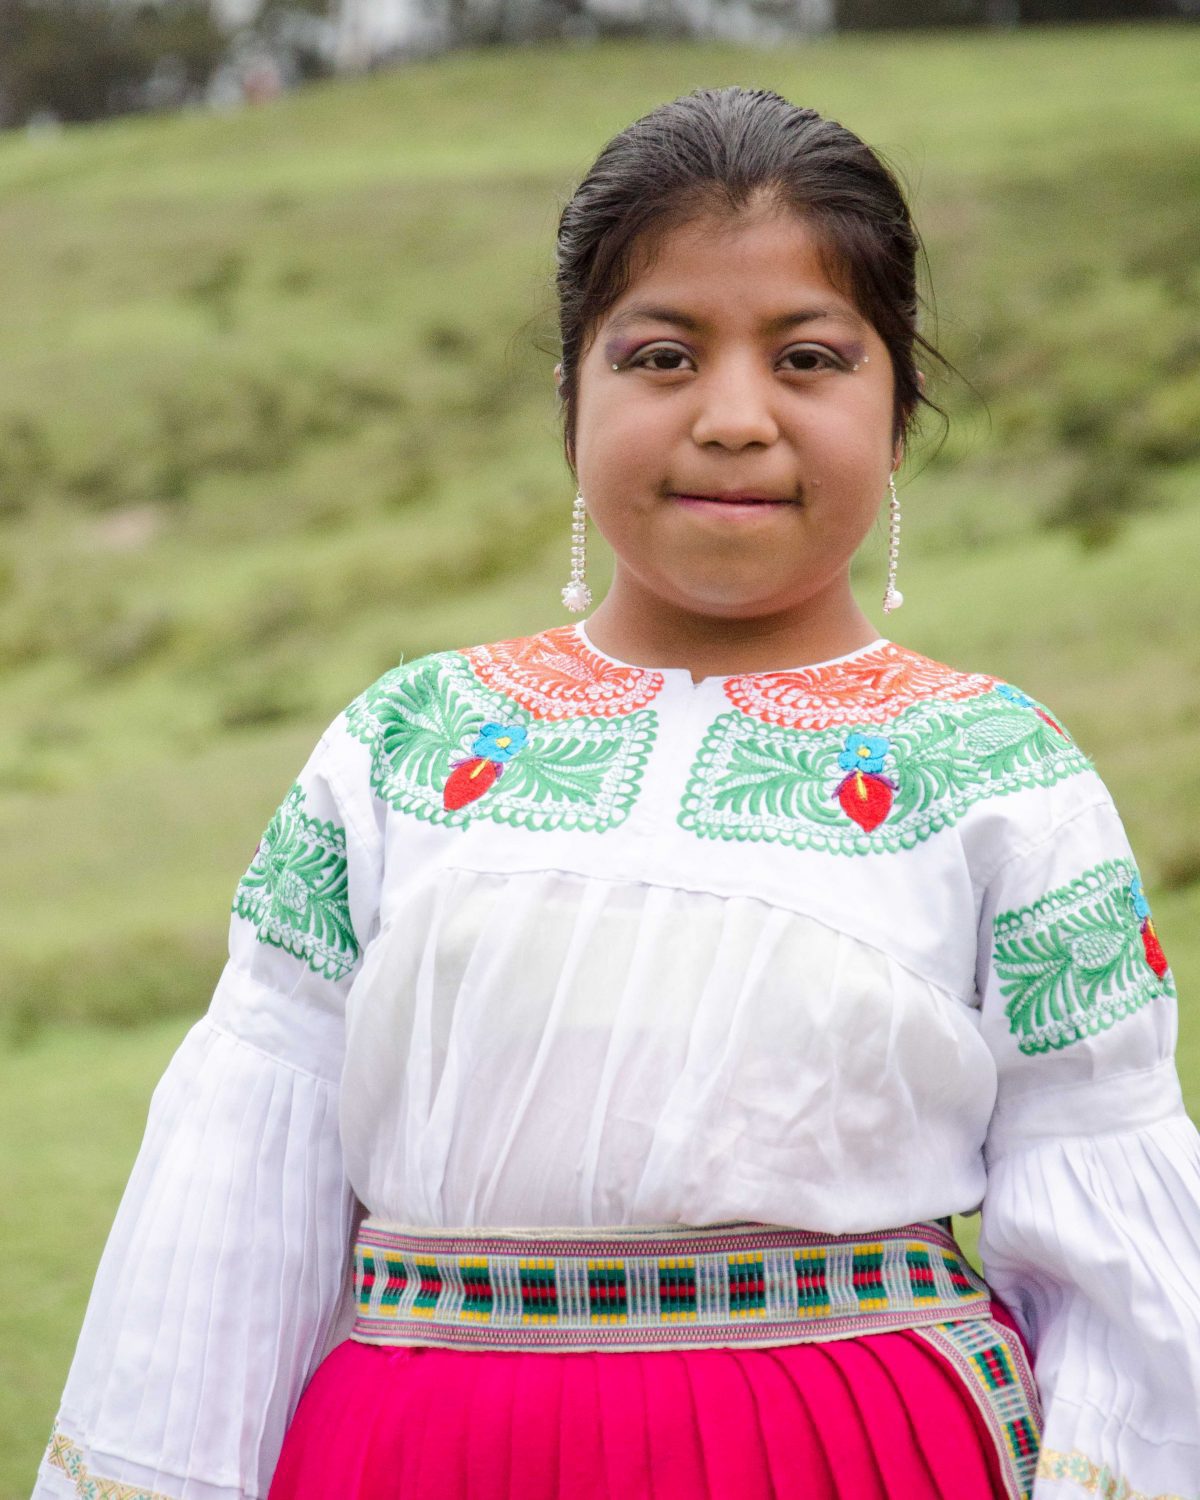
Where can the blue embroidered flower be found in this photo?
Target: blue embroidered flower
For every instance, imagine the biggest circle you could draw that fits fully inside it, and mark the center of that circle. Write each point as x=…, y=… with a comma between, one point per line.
x=1015, y=695
x=1141, y=907
x=500, y=742
x=864, y=752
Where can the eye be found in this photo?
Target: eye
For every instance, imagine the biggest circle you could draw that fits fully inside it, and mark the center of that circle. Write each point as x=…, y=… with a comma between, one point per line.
x=812, y=357
x=659, y=351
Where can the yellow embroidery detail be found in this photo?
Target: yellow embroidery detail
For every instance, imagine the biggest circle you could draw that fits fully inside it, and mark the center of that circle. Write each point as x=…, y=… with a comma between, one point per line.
x=62, y=1453
x=1096, y=1479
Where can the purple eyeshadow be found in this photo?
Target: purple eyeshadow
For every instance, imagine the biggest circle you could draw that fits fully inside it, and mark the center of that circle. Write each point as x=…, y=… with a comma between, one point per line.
x=617, y=350
x=853, y=353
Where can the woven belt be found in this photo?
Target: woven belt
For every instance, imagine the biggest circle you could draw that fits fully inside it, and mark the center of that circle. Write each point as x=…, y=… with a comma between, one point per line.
x=646, y=1288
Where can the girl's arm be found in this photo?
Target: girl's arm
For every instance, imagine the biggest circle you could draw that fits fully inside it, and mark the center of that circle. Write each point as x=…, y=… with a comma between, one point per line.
x=1091, y=1222
x=224, y=1270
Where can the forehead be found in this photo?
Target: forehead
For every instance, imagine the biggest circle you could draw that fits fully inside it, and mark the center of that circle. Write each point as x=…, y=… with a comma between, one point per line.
x=763, y=264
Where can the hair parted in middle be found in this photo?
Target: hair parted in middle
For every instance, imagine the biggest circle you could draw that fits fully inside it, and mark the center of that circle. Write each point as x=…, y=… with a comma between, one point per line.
x=718, y=152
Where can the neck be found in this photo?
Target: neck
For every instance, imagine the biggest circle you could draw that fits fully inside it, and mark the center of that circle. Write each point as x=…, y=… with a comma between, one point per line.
x=636, y=626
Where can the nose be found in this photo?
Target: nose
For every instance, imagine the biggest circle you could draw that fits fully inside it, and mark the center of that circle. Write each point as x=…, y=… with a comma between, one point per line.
x=735, y=405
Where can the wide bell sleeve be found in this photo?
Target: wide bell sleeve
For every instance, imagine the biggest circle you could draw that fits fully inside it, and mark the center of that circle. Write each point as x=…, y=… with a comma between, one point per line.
x=1091, y=1220
x=225, y=1268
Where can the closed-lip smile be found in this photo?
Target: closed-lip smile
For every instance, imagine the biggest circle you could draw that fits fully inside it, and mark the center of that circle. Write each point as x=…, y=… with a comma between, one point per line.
x=736, y=498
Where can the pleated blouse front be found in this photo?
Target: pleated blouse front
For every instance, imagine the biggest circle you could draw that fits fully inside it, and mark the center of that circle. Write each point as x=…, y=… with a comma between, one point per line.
x=565, y=1050
x=538, y=937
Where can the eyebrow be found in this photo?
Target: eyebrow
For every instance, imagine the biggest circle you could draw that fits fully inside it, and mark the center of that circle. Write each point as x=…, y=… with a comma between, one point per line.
x=640, y=311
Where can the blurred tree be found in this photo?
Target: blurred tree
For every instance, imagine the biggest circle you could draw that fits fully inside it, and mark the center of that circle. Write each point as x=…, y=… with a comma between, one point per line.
x=1103, y=10
x=84, y=59
x=303, y=30
x=873, y=15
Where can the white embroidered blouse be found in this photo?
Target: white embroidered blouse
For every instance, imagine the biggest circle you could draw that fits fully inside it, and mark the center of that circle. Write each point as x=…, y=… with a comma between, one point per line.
x=539, y=937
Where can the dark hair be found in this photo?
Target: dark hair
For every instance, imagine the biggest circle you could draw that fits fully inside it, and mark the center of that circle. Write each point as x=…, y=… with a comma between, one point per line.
x=714, y=150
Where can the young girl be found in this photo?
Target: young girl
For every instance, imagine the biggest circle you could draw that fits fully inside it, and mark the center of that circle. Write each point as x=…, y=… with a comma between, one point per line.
x=615, y=1016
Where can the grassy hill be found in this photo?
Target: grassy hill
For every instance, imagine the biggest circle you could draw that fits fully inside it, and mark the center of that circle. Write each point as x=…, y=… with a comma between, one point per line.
x=278, y=411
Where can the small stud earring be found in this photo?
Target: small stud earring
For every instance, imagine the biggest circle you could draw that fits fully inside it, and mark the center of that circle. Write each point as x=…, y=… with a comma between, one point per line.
x=893, y=598
x=576, y=595
x=616, y=367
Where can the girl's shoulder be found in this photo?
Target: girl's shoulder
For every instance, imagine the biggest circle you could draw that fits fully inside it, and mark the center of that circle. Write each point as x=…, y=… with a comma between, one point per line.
x=999, y=762
x=917, y=745
x=551, y=674
x=895, y=687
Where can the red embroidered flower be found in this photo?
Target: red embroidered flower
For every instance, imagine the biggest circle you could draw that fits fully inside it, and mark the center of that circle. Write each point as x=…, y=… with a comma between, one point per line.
x=494, y=746
x=866, y=795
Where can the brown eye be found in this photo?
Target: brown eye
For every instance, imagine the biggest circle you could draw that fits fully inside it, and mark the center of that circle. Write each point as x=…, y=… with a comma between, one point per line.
x=644, y=360
x=812, y=358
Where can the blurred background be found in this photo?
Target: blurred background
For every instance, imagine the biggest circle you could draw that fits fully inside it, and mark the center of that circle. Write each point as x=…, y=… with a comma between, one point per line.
x=277, y=410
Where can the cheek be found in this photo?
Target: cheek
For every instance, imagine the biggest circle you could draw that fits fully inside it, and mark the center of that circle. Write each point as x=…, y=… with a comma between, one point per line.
x=618, y=437
x=855, y=443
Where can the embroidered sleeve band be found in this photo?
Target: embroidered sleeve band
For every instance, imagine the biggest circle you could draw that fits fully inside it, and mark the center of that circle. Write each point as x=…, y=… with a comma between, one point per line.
x=1079, y=958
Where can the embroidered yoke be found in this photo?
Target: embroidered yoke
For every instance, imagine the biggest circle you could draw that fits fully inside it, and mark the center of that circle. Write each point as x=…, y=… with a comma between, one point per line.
x=542, y=938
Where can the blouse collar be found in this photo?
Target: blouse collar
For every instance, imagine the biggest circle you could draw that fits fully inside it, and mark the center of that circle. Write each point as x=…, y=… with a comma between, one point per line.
x=809, y=666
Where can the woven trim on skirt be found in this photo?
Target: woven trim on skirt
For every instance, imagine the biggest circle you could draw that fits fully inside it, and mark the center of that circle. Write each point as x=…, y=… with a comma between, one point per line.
x=653, y=1288
x=992, y=1362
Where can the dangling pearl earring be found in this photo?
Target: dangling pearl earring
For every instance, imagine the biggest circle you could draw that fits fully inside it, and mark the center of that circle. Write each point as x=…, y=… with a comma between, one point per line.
x=893, y=598
x=576, y=595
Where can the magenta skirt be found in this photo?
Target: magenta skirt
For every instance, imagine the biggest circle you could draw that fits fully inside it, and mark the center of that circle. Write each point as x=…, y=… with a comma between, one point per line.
x=874, y=1417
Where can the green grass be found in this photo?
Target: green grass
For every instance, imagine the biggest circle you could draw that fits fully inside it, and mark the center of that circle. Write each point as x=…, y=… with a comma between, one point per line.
x=278, y=412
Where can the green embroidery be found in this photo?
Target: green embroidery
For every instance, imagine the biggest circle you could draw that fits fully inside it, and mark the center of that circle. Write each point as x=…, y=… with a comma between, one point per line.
x=296, y=891
x=580, y=773
x=1073, y=962
x=756, y=781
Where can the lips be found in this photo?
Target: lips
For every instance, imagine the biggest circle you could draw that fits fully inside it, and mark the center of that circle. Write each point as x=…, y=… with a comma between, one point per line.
x=728, y=510
x=738, y=499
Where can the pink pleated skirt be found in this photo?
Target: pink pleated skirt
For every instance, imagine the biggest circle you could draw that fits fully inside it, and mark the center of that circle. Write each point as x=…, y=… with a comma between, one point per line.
x=876, y=1417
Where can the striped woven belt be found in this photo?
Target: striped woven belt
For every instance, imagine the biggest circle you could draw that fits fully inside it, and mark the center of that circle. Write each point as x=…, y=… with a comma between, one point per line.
x=662, y=1286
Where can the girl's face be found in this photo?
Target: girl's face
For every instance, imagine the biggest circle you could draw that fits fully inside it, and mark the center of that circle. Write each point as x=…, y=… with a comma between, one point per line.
x=740, y=370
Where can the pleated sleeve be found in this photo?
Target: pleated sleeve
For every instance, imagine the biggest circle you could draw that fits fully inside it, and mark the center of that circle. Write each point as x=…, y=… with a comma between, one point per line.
x=224, y=1271
x=1091, y=1220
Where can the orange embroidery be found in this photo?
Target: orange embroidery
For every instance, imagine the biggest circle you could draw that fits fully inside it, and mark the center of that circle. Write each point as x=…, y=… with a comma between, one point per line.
x=870, y=689
x=556, y=675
